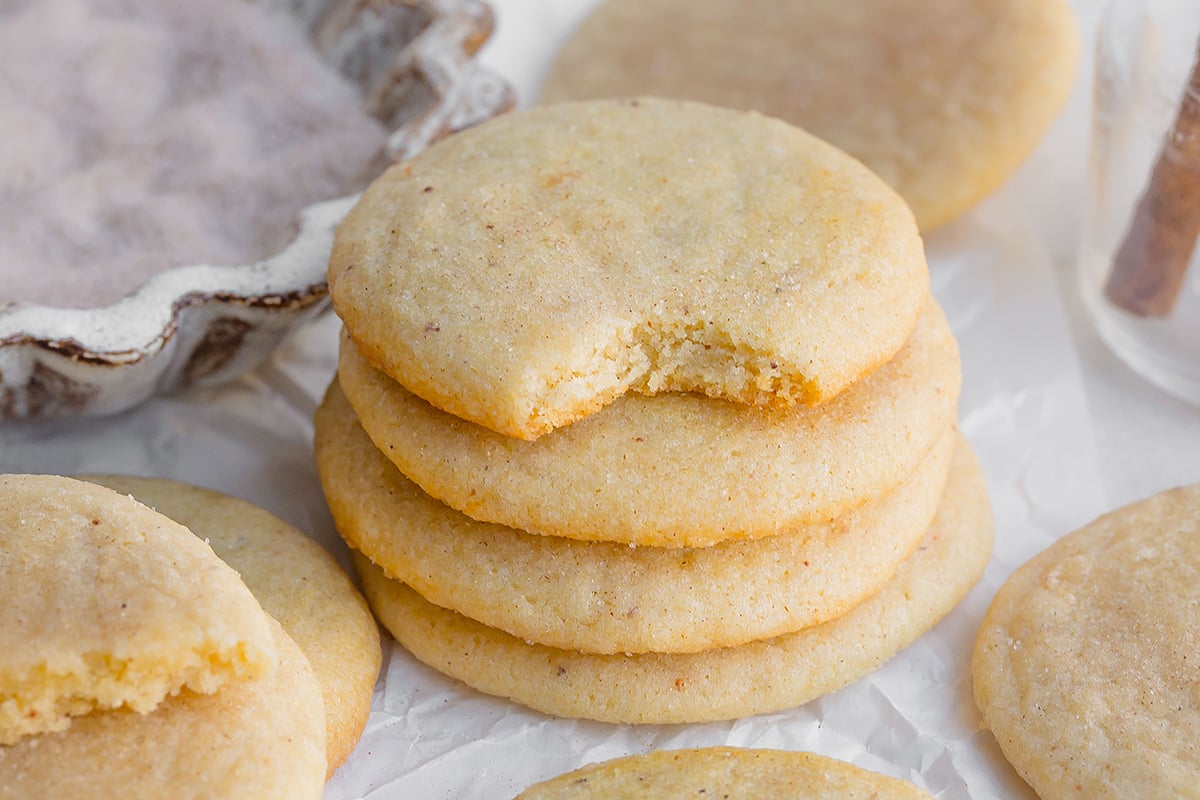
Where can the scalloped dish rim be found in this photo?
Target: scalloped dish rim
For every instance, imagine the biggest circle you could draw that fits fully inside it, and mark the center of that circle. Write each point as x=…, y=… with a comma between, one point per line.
x=198, y=324
x=142, y=319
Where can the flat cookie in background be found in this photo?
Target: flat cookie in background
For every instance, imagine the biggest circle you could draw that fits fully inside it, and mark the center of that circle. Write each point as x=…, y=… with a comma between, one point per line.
x=109, y=604
x=296, y=581
x=526, y=272
x=259, y=739
x=723, y=772
x=609, y=598
x=943, y=99
x=728, y=683
x=676, y=469
x=1087, y=664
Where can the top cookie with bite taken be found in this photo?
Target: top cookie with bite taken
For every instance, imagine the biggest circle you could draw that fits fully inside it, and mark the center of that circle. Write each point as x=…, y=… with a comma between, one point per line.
x=524, y=273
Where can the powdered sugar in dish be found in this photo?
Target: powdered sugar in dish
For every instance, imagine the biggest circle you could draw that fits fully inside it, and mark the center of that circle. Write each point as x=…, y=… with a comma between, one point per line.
x=141, y=135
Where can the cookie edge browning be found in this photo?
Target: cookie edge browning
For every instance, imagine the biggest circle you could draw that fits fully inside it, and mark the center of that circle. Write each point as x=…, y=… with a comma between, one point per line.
x=899, y=413
x=661, y=689
x=607, y=622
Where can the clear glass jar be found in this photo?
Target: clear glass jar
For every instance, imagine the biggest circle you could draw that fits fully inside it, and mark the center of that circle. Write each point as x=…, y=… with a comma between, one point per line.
x=1137, y=264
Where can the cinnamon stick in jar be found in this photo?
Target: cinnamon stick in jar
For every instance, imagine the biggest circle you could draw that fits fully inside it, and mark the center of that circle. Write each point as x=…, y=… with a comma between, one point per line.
x=1152, y=261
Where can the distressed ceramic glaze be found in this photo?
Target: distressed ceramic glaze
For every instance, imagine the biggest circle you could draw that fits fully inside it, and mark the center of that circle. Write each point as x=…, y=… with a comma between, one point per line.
x=201, y=325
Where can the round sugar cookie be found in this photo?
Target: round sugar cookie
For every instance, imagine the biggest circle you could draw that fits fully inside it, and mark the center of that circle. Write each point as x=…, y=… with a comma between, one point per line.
x=526, y=272
x=297, y=583
x=609, y=598
x=943, y=99
x=255, y=739
x=109, y=604
x=676, y=470
x=1087, y=664
x=726, y=683
x=723, y=772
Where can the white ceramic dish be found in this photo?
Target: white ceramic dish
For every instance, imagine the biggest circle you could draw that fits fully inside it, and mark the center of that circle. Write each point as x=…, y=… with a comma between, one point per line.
x=199, y=325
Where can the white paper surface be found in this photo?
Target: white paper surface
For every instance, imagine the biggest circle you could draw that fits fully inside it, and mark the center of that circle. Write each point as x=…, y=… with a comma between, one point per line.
x=1023, y=407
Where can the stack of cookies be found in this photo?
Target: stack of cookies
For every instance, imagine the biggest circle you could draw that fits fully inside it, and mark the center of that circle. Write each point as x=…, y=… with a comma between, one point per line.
x=644, y=413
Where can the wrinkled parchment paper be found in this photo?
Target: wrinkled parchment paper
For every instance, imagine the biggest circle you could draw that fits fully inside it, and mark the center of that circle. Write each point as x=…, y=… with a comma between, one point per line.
x=1024, y=407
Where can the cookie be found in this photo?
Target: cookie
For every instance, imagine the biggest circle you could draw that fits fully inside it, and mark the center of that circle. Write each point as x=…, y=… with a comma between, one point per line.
x=297, y=583
x=726, y=683
x=676, y=470
x=610, y=598
x=941, y=99
x=108, y=604
x=1086, y=666
x=724, y=772
x=526, y=272
x=257, y=738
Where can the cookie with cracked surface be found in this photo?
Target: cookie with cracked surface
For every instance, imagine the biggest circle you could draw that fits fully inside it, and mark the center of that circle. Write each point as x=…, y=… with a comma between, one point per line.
x=529, y=271
x=1086, y=668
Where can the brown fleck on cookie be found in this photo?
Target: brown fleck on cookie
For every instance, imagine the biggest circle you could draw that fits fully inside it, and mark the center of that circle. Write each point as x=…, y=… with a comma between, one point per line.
x=1087, y=665
x=724, y=772
x=676, y=469
x=725, y=683
x=296, y=582
x=609, y=598
x=108, y=604
x=257, y=739
x=526, y=272
x=941, y=98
